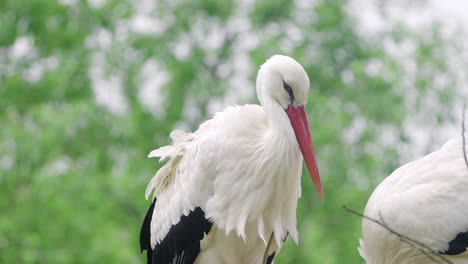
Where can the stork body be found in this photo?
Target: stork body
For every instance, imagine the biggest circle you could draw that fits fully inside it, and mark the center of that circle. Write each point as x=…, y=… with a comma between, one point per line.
x=425, y=200
x=229, y=191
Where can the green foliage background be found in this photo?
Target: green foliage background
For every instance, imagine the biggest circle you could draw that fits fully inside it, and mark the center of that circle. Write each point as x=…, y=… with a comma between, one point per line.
x=73, y=169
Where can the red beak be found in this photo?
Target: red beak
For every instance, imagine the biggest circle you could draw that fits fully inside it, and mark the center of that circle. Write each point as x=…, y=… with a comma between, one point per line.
x=298, y=119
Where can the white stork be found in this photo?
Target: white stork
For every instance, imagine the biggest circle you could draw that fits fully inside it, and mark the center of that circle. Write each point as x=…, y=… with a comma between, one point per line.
x=425, y=200
x=228, y=192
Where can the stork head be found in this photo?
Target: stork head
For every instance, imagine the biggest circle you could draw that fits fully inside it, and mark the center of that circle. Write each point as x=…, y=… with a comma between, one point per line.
x=283, y=81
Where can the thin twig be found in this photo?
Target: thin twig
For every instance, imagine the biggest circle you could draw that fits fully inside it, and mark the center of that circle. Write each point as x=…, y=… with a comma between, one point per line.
x=426, y=250
x=414, y=243
x=463, y=136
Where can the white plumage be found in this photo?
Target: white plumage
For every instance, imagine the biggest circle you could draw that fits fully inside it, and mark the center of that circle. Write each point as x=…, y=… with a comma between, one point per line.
x=242, y=169
x=425, y=200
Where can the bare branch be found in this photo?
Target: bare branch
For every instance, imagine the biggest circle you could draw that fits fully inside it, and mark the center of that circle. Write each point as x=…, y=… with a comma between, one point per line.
x=463, y=136
x=426, y=250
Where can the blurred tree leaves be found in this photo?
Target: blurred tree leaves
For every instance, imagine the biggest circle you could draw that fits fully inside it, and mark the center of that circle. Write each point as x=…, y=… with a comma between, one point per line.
x=73, y=167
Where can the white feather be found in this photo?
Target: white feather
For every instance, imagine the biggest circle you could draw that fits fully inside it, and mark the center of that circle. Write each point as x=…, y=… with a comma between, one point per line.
x=425, y=200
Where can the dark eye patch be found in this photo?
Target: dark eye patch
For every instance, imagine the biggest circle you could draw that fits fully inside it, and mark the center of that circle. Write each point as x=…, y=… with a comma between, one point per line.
x=288, y=89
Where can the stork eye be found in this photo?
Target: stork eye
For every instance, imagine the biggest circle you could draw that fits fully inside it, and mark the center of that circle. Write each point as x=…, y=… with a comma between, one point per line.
x=288, y=89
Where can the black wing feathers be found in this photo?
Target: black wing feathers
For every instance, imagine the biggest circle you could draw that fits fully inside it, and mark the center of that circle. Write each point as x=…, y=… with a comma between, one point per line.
x=270, y=258
x=181, y=244
x=145, y=234
x=458, y=245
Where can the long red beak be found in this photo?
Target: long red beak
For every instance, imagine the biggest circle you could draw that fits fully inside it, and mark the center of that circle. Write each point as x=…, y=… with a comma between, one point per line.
x=298, y=119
